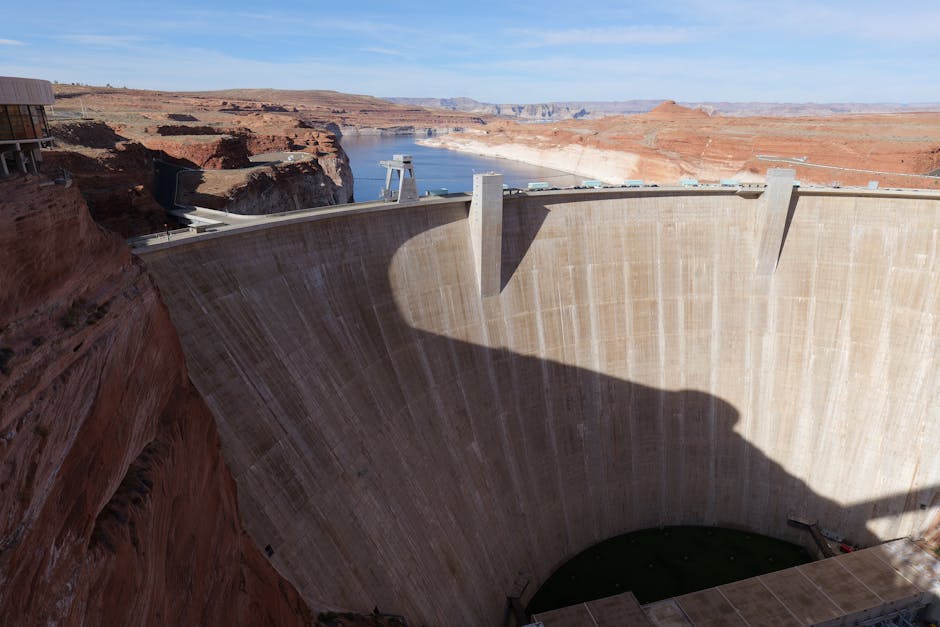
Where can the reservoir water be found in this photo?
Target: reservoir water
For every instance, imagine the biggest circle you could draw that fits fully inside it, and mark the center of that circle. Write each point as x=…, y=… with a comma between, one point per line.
x=436, y=168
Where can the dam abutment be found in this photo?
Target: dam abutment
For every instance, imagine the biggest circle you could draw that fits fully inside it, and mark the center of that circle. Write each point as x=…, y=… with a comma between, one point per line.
x=423, y=445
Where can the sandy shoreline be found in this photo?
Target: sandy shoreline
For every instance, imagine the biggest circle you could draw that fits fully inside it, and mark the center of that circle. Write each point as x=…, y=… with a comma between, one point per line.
x=605, y=165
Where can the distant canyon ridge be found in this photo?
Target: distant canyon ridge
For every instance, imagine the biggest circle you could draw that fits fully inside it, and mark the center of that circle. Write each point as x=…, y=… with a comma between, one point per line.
x=592, y=110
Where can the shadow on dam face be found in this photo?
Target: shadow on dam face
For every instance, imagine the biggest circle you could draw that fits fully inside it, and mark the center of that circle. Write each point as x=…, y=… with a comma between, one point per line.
x=399, y=441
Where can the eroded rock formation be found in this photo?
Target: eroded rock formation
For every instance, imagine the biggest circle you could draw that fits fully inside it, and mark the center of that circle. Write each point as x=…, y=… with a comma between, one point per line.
x=111, y=158
x=267, y=189
x=116, y=507
x=114, y=174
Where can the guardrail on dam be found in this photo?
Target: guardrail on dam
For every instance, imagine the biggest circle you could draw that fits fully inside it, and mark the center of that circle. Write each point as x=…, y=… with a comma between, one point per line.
x=400, y=441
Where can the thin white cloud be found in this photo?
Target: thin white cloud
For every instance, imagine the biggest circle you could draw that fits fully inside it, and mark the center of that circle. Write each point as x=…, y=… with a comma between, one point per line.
x=102, y=40
x=616, y=35
x=385, y=51
x=12, y=42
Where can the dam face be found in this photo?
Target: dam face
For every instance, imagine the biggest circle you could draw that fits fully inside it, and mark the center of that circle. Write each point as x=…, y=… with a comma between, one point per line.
x=401, y=442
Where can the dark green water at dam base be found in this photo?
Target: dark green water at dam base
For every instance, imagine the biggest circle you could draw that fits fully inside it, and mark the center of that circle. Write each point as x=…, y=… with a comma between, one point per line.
x=657, y=564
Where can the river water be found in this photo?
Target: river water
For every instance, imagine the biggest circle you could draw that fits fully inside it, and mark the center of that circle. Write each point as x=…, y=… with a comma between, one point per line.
x=436, y=168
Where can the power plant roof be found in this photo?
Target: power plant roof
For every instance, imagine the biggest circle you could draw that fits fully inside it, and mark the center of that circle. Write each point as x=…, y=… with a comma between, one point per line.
x=25, y=91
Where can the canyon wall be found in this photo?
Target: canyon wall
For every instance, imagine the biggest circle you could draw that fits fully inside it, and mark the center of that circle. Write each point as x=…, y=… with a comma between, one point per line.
x=116, y=507
x=269, y=188
x=635, y=370
x=112, y=163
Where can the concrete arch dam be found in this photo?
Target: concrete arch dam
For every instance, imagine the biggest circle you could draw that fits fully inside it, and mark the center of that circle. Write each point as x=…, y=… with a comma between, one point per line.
x=400, y=441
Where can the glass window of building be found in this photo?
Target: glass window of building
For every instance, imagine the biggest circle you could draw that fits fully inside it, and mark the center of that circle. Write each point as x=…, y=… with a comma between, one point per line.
x=6, y=129
x=38, y=115
x=22, y=122
x=17, y=121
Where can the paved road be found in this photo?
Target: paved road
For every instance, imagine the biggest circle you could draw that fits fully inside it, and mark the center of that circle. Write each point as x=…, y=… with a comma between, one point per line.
x=801, y=162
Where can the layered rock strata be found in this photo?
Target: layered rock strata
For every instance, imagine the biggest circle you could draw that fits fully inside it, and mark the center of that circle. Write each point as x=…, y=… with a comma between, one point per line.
x=112, y=163
x=116, y=507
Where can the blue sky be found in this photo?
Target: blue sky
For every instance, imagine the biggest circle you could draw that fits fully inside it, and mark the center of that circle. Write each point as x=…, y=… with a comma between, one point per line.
x=693, y=50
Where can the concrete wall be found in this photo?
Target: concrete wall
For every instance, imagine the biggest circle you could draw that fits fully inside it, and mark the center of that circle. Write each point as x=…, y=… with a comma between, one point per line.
x=401, y=442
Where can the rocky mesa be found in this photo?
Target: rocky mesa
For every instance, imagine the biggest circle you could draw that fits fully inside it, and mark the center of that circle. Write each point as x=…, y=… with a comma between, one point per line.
x=108, y=141
x=672, y=142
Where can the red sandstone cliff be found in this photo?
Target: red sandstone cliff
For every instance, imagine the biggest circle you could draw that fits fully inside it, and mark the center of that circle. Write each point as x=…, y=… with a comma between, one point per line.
x=111, y=162
x=263, y=189
x=116, y=507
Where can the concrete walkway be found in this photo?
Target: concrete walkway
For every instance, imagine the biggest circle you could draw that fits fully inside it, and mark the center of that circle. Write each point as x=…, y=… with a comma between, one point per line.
x=846, y=590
